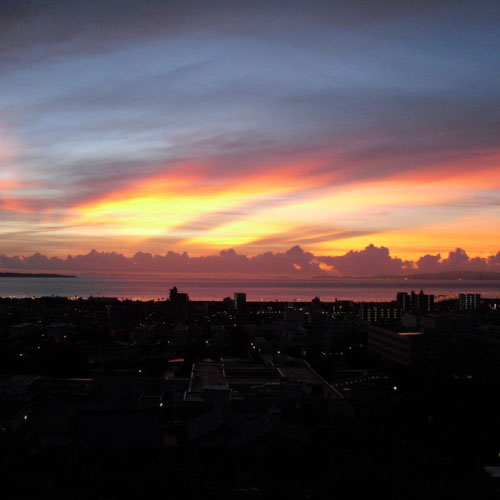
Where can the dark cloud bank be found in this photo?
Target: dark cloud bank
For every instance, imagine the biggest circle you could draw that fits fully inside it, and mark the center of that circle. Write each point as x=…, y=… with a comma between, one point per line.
x=372, y=261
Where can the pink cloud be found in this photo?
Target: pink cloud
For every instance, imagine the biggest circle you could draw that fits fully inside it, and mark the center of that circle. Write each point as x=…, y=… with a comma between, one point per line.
x=295, y=262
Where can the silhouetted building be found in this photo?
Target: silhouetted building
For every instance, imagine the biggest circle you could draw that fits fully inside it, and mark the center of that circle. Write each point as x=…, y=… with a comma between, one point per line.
x=403, y=300
x=422, y=302
x=469, y=301
x=228, y=303
x=380, y=312
x=392, y=347
x=240, y=300
x=482, y=348
x=179, y=301
x=415, y=302
x=277, y=382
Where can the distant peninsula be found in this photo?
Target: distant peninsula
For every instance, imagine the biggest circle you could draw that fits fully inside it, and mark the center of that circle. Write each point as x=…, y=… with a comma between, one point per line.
x=451, y=275
x=35, y=275
x=448, y=276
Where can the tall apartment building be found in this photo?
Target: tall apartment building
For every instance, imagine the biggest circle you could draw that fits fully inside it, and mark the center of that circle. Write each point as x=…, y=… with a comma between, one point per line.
x=415, y=302
x=240, y=300
x=469, y=301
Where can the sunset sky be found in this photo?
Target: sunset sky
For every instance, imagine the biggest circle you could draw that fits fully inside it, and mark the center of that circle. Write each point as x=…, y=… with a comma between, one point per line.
x=256, y=126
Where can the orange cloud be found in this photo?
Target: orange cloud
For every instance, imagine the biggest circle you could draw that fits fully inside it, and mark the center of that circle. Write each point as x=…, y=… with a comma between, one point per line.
x=16, y=205
x=478, y=170
x=201, y=206
x=8, y=184
x=167, y=201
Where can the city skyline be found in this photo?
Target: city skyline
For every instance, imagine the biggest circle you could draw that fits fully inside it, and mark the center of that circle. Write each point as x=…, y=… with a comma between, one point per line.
x=258, y=127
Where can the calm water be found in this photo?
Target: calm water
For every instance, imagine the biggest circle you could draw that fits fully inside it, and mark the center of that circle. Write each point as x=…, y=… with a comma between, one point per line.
x=259, y=289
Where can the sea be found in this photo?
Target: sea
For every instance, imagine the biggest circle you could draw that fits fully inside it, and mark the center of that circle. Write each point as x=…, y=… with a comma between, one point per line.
x=157, y=288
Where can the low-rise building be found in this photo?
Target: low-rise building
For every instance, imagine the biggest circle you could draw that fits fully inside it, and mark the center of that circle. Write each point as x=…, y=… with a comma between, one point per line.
x=393, y=347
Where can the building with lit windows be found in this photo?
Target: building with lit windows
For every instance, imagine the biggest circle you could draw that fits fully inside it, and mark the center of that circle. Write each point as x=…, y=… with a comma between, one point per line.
x=469, y=301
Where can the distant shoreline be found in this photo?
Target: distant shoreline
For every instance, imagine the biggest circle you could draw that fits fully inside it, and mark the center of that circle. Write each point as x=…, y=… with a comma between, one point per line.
x=35, y=275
